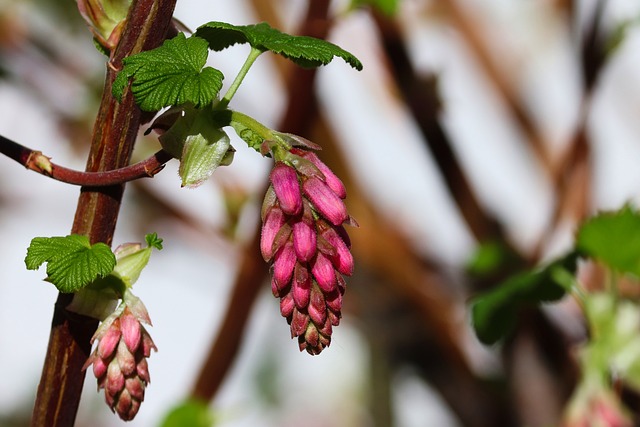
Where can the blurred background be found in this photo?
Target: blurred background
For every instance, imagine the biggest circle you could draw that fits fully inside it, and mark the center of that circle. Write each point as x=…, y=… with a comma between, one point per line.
x=475, y=139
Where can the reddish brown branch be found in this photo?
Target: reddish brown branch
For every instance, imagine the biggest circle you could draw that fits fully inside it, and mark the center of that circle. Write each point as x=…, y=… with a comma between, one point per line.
x=36, y=161
x=114, y=134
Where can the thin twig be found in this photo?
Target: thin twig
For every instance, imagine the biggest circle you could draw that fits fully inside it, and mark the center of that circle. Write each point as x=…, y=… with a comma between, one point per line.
x=36, y=161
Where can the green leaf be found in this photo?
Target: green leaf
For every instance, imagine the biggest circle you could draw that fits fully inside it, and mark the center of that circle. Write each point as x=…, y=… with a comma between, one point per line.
x=171, y=74
x=191, y=413
x=614, y=239
x=72, y=262
x=494, y=313
x=303, y=50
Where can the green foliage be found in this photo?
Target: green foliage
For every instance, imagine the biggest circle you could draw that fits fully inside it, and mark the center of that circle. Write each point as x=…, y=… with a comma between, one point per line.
x=388, y=7
x=191, y=413
x=304, y=51
x=494, y=313
x=171, y=74
x=72, y=262
x=614, y=239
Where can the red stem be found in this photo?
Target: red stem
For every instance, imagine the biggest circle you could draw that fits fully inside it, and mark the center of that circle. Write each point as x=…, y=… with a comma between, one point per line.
x=36, y=161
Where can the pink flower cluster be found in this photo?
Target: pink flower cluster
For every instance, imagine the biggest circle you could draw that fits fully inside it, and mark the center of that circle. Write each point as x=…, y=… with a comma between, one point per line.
x=303, y=236
x=120, y=360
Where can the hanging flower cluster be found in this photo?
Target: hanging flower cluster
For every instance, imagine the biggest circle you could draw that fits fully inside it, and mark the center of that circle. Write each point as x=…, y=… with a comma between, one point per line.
x=304, y=239
x=120, y=358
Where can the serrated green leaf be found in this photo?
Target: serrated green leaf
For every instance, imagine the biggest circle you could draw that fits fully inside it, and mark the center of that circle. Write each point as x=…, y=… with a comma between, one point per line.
x=171, y=74
x=191, y=413
x=494, y=313
x=614, y=239
x=72, y=262
x=303, y=50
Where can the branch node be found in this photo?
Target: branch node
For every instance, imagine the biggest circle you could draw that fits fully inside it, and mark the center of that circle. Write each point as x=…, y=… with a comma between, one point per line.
x=40, y=163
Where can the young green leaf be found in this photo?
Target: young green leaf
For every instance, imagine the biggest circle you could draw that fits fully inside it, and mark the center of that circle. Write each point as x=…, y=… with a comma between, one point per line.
x=614, y=239
x=303, y=50
x=153, y=241
x=72, y=262
x=494, y=313
x=171, y=74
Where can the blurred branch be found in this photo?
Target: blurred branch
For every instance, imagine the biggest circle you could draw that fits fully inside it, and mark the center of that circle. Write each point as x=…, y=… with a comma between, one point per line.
x=422, y=97
x=472, y=34
x=114, y=135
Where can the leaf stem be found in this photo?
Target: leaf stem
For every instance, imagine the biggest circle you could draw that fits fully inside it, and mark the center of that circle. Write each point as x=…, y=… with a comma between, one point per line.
x=253, y=55
x=36, y=161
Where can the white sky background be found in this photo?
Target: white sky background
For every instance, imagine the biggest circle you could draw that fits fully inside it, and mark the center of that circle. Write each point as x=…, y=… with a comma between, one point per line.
x=186, y=285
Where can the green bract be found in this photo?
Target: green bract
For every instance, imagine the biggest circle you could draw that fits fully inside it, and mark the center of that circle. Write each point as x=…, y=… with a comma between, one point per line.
x=200, y=145
x=72, y=262
x=171, y=74
x=304, y=51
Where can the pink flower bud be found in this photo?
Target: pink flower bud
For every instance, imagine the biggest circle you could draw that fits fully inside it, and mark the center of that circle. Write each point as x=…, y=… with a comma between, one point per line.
x=301, y=287
x=317, y=308
x=334, y=301
x=299, y=323
x=304, y=241
x=126, y=360
x=324, y=273
x=273, y=221
x=287, y=305
x=130, y=327
x=109, y=341
x=115, y=379
x=285, y=261
x=325, y=201
x=331, y=179
x=287, y=188
x=342, y=260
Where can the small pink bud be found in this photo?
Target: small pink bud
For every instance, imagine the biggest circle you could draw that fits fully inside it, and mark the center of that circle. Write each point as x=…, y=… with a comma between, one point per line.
x=301, y=286
x=325, y=201
x=130, y=327
x=317, y=308
x=311, y=336
x=273, y=221
x=115, y=379
x=331, y=179
x=270, y=200
x=287, y=305
x=304, y=241
x=334, y=301
x=135, y=387
x=143, y=370
x=299, y=323
x=147, y=343
x=99, y=367
x=342, y=260
x=285, y=261
x=109, y=341
x=324, y=273
x=287, y=188
x=126, y=360
x=333, y=317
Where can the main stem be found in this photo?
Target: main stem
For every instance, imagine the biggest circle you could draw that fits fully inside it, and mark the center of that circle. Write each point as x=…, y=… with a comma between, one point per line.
x=114, y=135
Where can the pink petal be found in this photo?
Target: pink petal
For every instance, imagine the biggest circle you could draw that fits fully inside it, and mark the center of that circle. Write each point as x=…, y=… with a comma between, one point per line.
x=343, y=260
x=109, y=341
x=130, y=327
x=287, y=305
x=331, y=179
x=301, y=287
